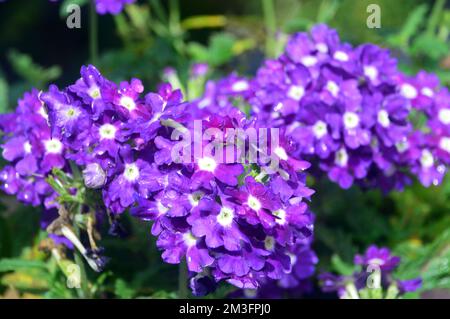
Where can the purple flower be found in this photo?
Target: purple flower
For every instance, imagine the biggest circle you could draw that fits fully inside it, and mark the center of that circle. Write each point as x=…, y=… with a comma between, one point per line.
x=378, y=256
x=349, y=110
x=134, y=180
x=177, y=245
x=31, y=152
x=217, y=223
x=233, y=221
x=90, y=87
x=201, y=285
x=111, y=6
x=409, y=285
x=376, y=267
x=94, y=176
x=256, y=203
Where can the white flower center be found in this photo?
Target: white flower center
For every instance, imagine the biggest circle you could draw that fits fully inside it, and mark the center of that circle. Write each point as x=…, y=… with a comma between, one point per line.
x=207, y=164
x=309, y=61
x=427, y=92
x=444, y=144
x=296, y=92
x=27, y=147
x=322, y=47
x=107, y=131
x=281, y=214
x=341, y=56
x=444, y=116
x=128, y=103
x=53, y=146
x=341, y=158
x=281, y=153
x=161, y=208
x=402, y=146
x=72, y=113
x=426, y=159
x=408, y=91
x=131, y=172
x=383, y=118
x=225, y=217
x=333, y=88
x=371, y=72
x=375, y=261
x=351, y=120
x=320, y=129
x=194, y=198
x=269, y=243
x=239, y=86
x=189, y=239
x=94, y=92
x=254, y=203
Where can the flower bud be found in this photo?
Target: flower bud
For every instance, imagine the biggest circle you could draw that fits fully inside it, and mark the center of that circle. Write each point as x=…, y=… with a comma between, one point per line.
x=94, y=176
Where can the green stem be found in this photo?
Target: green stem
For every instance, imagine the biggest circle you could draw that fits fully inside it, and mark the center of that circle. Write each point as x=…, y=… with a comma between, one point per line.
x=175, y=29
x=182, y=281
x=93, y=33
x=84, y=291
x=271, y=25
x=174, y=16
x=436, y=14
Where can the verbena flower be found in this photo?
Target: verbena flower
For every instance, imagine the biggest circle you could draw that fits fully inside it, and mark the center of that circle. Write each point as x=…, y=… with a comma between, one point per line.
x=229, y=219
x=31, y=151
x=373, y=278
x=350, y=111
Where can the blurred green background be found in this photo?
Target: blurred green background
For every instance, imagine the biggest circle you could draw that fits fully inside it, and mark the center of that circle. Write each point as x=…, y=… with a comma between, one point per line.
x=36, y=48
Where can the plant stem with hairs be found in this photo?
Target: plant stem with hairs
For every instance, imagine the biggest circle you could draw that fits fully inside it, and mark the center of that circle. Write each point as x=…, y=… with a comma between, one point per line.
x=182, y=281
x=93, y=33
x=270, y=24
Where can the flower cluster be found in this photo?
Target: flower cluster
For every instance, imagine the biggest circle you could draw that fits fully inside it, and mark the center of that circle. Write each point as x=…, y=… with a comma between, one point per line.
x=374, y=279
x=229, y=218
x=31, y=151
x=427, y=149
x=349, y=110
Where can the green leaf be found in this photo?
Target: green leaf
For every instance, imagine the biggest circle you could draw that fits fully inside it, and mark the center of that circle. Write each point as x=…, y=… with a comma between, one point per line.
x=13, y=264
x=430, y=262
x=122, y=290
x=327, y=10
x=219, y=51
x=429, y=45
x=197, y=51
x=410, y=28
x=35, y=74
x=341, y=267
x=221, y=48
x=435, y=16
